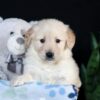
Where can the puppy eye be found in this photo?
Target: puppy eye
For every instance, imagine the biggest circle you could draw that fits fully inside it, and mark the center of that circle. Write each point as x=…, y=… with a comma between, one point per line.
x=42, y=40
x=58, y=40
x=11, y=33
x=23, y=35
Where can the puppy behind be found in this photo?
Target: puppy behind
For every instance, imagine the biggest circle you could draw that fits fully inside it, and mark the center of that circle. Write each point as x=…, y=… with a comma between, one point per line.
x=49, y=54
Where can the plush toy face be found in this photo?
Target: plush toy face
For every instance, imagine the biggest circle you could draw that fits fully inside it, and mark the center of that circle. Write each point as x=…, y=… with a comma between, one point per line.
x=16, y=43
x=9, y=43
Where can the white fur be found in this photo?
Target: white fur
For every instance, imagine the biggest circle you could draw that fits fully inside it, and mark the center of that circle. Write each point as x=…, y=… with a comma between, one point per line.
x=66, y=72
x=61, y=71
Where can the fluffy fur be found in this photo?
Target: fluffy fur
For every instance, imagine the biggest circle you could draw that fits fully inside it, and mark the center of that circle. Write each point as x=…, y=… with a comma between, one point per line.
x=60, y=70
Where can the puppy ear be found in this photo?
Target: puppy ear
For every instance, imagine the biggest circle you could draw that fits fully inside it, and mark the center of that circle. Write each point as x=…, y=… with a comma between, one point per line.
x=70, y=38
x=28, y=37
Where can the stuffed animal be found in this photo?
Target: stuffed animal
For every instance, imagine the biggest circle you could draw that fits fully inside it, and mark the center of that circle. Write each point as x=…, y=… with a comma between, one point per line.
x=9, y=26
x=16, y=47
x=11, y=43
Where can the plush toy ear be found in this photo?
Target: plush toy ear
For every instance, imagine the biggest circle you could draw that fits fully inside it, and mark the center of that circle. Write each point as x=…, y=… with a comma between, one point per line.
x=1, y=19
x=70, y=38
x=28, y=37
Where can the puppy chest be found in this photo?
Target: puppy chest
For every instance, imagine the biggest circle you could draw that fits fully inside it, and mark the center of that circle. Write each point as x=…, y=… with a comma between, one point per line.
x=51, y=76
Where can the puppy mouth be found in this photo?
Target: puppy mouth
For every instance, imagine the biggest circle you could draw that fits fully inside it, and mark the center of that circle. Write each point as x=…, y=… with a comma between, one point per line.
x=49, y=59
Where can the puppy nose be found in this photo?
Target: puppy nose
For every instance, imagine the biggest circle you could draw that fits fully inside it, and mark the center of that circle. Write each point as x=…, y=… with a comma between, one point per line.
x=20, y=40
x=49, y=55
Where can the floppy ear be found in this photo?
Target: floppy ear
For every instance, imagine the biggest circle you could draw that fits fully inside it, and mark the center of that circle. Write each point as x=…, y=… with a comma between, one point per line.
x=70, y=38
x=28, y=37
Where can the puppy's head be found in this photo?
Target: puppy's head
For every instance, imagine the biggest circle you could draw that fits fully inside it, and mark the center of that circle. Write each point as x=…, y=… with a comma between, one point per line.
x=50, y=38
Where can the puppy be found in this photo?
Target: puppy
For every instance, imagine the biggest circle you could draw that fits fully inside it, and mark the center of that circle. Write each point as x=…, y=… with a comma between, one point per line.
x=49, y=55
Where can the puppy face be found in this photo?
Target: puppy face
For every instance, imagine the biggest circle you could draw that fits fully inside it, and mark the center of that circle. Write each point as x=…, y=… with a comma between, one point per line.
x=50, y=38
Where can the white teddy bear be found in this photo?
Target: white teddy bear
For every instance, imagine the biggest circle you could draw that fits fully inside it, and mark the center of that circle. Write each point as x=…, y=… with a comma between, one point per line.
x=12, y=45
x=16, y=47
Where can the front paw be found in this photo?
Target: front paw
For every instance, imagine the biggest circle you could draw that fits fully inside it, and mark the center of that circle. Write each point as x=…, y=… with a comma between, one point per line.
x=20, y=80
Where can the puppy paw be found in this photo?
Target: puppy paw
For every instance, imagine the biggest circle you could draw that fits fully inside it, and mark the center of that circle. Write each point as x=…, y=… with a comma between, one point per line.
x=20, y=80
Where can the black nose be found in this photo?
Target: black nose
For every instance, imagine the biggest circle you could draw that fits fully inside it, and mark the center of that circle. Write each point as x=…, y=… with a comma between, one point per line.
x=49, y=55
x=20, y=40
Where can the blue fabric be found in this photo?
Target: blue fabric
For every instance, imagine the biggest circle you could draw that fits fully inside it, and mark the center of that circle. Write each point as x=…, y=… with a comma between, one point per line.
x=37, y=91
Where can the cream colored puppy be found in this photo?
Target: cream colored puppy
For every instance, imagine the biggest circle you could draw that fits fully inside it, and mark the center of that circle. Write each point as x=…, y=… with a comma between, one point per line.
x=49, y=54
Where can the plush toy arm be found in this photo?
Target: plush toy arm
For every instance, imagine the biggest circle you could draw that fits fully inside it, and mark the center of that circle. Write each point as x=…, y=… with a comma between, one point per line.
x=2, y=74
